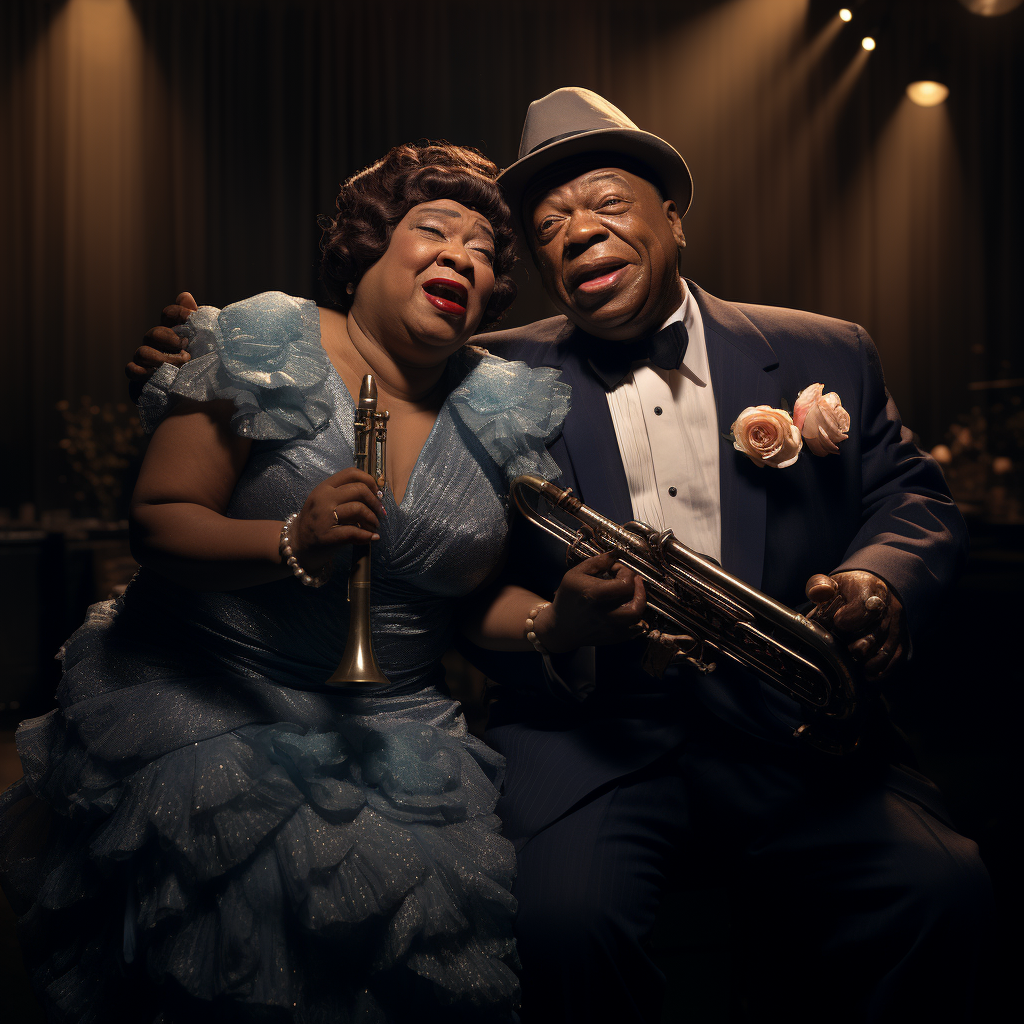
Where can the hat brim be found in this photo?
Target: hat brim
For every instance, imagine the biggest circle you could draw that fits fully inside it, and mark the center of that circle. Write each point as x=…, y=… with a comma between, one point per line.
x=664, y=160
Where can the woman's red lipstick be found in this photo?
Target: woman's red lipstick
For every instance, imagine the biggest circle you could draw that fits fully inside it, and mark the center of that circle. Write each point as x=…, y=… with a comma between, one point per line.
x=448, y=296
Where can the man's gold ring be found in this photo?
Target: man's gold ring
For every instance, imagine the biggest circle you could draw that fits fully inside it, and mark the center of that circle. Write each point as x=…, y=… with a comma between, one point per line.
x=337, y=521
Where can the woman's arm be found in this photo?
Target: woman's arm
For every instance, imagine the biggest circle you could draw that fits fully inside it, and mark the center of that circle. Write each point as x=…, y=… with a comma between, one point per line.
x=587, y=610
x=178, y=525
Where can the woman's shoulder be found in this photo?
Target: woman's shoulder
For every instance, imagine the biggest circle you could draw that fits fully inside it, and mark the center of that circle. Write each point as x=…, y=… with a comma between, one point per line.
x=513, y=409
x=264, y=354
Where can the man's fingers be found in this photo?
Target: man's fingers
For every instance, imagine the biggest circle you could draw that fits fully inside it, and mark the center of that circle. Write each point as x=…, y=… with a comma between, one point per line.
x=864, y=647
x=821, y=588
x=163, y=339
x=887, y=658
x=856, y=615
x=179, y=310
x=149, y=357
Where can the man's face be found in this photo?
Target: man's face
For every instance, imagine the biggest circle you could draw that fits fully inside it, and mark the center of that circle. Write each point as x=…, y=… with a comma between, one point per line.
x=607, y=248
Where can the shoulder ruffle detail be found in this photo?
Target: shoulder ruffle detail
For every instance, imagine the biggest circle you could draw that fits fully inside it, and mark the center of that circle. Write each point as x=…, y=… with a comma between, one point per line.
x=514, y=410
x=264, y=354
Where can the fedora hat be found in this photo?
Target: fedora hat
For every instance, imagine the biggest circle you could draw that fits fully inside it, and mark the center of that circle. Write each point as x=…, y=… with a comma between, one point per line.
x=571, y=122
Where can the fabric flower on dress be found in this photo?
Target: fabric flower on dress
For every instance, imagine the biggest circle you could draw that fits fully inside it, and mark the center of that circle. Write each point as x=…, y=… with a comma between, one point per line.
x=821, y=419
x=263, y=355
x=513, y=410
x=767, y=436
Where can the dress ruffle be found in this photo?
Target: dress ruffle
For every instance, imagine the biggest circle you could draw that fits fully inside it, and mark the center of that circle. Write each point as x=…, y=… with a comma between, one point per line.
x=263, y=354
x=239, y=867
x=514, y=410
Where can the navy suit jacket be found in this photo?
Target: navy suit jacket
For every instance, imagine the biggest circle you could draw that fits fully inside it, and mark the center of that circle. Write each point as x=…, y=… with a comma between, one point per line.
x=880, y=505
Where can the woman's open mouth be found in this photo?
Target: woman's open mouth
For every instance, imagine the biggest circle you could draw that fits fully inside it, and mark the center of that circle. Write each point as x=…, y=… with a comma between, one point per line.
x=448, y=296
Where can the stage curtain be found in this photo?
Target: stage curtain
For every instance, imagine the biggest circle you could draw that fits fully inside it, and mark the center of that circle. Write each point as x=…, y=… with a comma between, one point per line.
x=154, y=146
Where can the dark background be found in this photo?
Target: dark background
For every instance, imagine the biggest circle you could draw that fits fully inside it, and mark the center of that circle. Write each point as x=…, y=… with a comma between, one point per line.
x=157, y=145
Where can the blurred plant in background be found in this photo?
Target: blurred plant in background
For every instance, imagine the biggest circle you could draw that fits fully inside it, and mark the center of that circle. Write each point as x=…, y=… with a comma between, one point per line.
x=983, y=461
x=103, y=444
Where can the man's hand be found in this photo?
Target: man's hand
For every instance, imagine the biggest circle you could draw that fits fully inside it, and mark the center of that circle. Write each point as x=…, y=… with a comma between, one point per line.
x=161, y=344
x=858, y=608
x=599, y=601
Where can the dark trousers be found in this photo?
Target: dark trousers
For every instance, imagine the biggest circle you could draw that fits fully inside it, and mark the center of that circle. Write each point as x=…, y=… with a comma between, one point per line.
x=855, y=899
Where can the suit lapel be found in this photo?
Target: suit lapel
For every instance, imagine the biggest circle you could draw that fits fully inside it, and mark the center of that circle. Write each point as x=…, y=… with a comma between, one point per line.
x=739, y=358
x=589, y=435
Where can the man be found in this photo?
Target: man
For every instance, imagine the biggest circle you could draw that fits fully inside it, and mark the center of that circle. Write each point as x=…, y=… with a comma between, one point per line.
x=618, y=782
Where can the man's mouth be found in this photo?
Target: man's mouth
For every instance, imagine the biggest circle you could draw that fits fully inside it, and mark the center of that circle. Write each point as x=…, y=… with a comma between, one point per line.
x=448, y=296
x=597, y=277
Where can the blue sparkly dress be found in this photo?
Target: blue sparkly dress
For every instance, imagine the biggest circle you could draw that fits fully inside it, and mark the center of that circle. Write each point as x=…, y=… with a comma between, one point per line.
x=204, y=830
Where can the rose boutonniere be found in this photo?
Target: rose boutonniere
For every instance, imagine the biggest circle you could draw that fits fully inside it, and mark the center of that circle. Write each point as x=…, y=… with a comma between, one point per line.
x=772, y=437
x=822, y=420
x=767, y=436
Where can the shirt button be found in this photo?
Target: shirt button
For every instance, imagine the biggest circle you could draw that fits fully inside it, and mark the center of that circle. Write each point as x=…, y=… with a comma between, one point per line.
x=672, y=492
x=657, y=410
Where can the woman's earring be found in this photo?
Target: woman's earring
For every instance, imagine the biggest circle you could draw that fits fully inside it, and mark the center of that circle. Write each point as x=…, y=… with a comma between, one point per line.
x=350, y=289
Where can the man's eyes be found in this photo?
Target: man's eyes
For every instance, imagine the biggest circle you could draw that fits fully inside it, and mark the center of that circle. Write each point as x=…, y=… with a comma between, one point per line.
x=547, y=224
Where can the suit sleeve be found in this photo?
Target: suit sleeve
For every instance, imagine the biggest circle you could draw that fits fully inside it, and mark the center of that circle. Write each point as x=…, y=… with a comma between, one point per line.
x=912, y=534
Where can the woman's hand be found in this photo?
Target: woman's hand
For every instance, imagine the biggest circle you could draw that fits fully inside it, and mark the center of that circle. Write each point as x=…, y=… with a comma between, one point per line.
x=600, y=601
x=344, y=509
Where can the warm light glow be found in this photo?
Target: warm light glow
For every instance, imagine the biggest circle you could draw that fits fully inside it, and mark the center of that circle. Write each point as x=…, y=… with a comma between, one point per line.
x=868, y=43
x=846, y=14
x=990, y=8
x=927, y=94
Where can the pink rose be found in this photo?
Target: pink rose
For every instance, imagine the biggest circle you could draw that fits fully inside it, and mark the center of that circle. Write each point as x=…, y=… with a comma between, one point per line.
x=821, y=419
x=767, y=436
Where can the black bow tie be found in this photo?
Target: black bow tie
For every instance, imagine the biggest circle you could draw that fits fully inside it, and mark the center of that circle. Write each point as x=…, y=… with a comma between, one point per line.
x=611, y=360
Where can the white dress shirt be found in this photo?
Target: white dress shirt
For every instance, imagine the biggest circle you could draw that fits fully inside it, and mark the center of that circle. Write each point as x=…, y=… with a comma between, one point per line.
x=667, y=429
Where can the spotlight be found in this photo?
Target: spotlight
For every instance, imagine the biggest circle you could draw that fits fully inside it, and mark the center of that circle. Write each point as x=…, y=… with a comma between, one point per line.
x=845, y=14
x=927, y=94
x=868, y=43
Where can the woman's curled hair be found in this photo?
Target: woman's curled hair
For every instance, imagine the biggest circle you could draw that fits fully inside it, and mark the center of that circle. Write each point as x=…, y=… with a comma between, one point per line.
x=372, y=202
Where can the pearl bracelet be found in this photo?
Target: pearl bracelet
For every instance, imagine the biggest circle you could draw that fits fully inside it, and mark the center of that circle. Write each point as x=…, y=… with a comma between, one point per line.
x=530, y=634
x=284, y=548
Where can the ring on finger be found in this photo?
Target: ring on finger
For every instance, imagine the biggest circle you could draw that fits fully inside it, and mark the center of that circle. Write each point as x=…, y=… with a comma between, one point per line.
x=334, y=512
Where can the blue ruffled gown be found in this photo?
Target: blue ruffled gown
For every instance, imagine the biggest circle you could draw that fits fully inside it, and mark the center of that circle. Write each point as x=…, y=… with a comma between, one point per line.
x=204, y=829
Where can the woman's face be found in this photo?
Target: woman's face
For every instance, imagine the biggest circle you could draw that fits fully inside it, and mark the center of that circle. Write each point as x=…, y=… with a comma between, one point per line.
x=425, y=297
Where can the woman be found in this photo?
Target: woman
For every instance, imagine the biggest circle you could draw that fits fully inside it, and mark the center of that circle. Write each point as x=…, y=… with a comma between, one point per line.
x=204, y=827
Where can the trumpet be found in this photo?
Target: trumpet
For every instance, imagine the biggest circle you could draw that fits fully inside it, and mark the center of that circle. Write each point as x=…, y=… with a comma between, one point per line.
x=697, y=610
x=358, y=665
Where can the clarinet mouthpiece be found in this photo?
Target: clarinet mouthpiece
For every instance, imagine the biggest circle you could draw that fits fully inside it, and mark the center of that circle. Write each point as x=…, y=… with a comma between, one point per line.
x=368, y=393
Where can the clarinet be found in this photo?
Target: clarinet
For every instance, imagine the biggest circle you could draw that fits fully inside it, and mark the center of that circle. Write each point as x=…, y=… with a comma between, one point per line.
x=358, y=665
